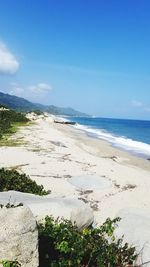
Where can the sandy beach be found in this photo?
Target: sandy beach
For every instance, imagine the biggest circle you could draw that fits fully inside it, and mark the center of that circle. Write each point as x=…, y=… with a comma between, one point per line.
x=53, y=154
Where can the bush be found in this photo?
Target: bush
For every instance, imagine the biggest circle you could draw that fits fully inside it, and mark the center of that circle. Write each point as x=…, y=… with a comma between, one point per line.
x=61, y=244
x=13, y=180
x=8, y=118
x=38, y=112
x=6, y=263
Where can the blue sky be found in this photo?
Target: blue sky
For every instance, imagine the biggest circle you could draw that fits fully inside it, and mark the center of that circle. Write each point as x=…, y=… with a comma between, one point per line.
x=90, y=55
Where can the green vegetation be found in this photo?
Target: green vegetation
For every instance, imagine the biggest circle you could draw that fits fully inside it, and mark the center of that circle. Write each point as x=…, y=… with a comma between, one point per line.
x=7, y=141
x=11, y=206
x=22, y=104
x=3, y=106
x=12, y=180
x=37, y=112
x=61, y=244
x=10, y=120
x=6, y=263
x=17, y=103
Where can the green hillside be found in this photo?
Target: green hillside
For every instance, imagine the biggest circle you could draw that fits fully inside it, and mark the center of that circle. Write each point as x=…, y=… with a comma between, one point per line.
x=17, y=103
x=21, y=104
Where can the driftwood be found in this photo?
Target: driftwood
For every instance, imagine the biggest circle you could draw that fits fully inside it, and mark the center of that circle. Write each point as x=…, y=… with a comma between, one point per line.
x=66, y=122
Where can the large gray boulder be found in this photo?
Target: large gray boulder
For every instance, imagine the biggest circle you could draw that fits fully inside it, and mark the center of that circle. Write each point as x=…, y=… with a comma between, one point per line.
x=135, y=227
x=18, y=236
x=41, y=206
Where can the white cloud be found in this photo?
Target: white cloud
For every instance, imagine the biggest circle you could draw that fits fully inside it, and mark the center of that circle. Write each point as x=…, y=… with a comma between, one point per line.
x=137, y=103
x=32, y=92
x=8, y=63
x=147, y=109
x=18, y=91
x=40, y=88
x=140, y=105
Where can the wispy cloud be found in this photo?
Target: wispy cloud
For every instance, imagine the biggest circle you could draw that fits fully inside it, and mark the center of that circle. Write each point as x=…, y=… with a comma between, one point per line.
x=147, y=109
x=88, y=71
x=81, y=70
x=137, y=103
x=40, y=88
x=140, y=105
x=32, y=91
x=18, y=91
x=8, y=62
x=77, y=69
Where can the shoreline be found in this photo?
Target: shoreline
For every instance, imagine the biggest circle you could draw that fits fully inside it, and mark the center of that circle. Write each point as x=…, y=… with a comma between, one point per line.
x=130, y=145
x=54, y=155
x=106, y=149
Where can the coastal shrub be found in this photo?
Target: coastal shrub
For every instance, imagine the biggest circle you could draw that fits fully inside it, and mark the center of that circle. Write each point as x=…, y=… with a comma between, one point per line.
x=6, y=263
x=37, y=112
x=13, y=180
x=8, y=118
x=61, y=244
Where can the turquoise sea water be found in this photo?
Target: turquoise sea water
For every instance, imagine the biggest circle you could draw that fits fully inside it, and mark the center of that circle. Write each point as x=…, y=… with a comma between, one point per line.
x=130, y=135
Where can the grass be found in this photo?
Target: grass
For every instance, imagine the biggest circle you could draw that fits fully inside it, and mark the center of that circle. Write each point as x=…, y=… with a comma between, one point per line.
x=17, y=125
x=7, y=140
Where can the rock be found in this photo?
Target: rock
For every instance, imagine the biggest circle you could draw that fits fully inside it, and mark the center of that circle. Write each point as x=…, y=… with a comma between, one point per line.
x=90, y=182
x=135, y=227
x=65, y=122
x=71, y=209
x=18, y=236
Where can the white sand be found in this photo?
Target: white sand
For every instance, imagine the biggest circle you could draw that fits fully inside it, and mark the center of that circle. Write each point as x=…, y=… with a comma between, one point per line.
x=51, y=154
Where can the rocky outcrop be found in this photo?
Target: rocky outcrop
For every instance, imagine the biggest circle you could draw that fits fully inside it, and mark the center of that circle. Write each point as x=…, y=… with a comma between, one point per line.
x=135, y=227
x=18, y=229
x=18, y=236
x=65, y=122
x=71, y=209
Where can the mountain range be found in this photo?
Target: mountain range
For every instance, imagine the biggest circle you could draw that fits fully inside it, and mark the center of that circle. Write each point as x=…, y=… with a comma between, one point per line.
x=21, y=104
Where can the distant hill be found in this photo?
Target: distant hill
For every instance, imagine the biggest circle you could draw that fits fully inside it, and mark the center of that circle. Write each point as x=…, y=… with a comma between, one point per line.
x=21, y=104
x=17, y=103
x=64, y=111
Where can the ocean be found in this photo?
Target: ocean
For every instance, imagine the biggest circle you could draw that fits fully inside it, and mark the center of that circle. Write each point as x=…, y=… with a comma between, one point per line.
x=130, y=135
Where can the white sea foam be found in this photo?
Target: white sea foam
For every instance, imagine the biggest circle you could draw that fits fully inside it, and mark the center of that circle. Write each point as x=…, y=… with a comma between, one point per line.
x=130, y=145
